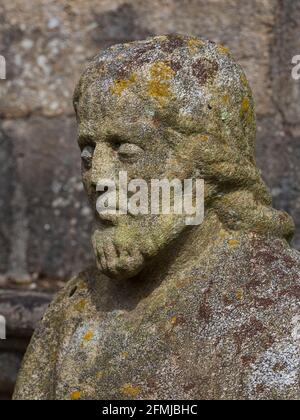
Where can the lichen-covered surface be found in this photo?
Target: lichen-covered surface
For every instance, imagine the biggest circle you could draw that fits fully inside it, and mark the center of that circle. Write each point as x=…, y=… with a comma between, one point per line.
x=226, y=328
x=171, y=311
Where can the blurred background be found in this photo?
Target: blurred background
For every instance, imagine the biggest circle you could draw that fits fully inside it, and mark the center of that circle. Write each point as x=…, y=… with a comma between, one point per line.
x=44, y=217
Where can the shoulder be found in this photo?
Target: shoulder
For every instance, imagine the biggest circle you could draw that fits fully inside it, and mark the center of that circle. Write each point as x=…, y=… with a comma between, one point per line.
x=277, y=263
x=259, y=261
x=71, y=305
x=79, y=295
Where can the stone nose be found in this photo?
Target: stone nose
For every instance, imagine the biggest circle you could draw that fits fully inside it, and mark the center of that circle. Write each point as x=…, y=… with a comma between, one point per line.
x=104, y=164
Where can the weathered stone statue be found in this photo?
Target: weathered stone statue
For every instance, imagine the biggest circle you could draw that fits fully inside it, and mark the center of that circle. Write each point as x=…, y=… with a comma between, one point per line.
x=174, y=311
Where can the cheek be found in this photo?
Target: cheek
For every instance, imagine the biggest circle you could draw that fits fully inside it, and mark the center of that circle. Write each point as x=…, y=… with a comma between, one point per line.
x=87, y=181
x=159, y=165
x=151, y=166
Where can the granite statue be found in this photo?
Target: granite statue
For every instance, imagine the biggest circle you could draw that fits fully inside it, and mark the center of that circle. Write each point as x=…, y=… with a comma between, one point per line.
x=172, y=311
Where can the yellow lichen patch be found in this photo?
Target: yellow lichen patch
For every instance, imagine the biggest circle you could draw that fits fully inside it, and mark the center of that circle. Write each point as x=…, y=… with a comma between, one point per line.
x=174, y=320
x=75, y=396
x=244, y=80
x=100, y=374
x=161, y=71
x=245, y=111
x=223, y=50
x=233, y=243
x=130, y=391
x=125, y=354
x=240, y=294
x=159, y=85
x=203, y=137
x=120, y=85
x=245, y=105
x=194, y=45
x=158, y=89
x=225, y=99
x=79, y=306
x=88, y=336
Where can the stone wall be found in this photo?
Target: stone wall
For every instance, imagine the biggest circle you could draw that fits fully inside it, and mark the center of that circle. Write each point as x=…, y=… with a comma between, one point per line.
x=22, y=310
x=44, y=218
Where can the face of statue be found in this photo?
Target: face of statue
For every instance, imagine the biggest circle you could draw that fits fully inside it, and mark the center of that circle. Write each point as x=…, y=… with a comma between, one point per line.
x=125, y=135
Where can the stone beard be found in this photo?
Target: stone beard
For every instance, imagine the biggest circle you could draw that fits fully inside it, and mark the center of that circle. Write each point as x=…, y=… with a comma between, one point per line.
x=173, y=311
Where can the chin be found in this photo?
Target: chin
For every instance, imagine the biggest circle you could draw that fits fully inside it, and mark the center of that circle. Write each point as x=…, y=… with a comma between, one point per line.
x=122, y=251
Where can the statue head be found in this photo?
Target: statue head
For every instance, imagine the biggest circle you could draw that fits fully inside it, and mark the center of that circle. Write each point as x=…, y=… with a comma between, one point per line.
x=170, y=107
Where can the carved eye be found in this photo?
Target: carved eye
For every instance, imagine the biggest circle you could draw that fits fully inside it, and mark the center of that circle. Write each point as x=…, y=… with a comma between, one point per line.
x=130, y=152
x=87, y=156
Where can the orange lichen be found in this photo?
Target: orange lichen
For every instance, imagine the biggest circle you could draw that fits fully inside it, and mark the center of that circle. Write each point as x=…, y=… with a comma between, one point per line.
x=240, y=294
x=223, y=50
x=194, y=44
x=177, y=320
x=88, y=336
x=203, y=137
x=130, y=391
x=120, y=85
x=244, y=81
x=245, y=111
x=161, y=71
x=80, y=305
x=75, y=396
x=245, y=105
x=159, y=85
x=225, y=99
x=233, y=243
x=158, y=89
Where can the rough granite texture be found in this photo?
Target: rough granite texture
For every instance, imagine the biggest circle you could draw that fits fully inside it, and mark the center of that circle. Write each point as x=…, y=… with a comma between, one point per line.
x=208, y=312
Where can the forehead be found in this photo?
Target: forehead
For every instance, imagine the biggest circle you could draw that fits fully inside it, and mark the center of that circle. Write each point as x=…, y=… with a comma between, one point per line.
x=109, y=105
x=102, y=115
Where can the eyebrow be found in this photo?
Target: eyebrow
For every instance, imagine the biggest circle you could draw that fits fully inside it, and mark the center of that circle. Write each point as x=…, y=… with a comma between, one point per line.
x=86, y=138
